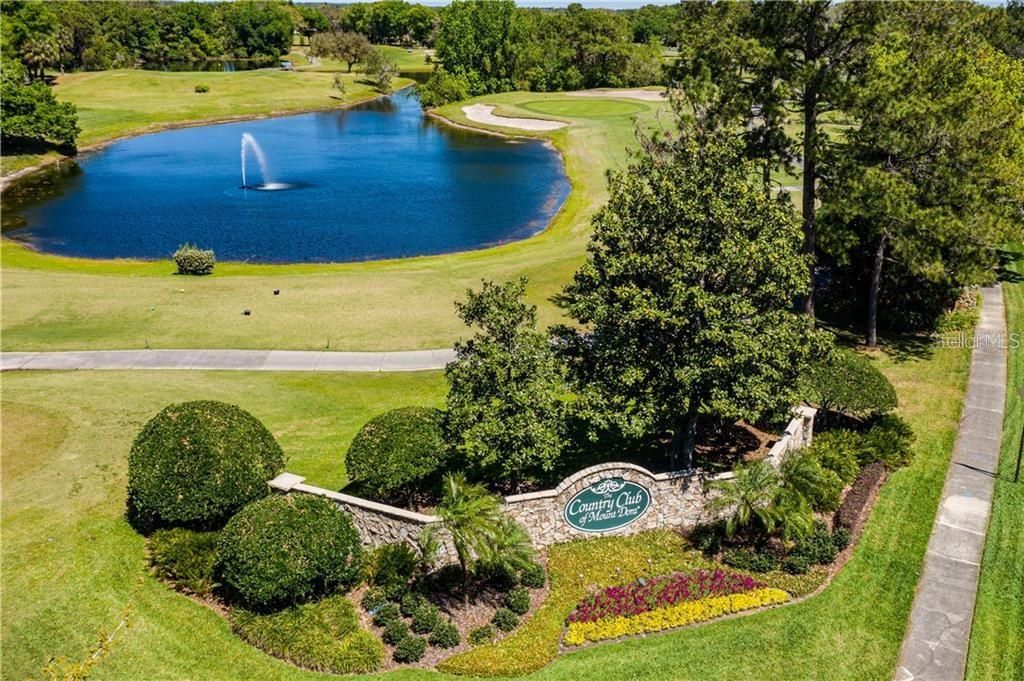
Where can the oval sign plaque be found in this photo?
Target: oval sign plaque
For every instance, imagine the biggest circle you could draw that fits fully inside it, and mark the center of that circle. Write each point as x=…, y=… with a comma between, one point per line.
x=608, y=504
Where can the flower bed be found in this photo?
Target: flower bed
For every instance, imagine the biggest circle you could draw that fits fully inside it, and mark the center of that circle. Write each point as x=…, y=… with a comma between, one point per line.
x=660, y=592
x=679, y=615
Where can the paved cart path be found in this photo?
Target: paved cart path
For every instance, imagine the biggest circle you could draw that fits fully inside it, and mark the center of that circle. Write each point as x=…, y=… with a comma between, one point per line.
x=936, y=640
x=241, y=360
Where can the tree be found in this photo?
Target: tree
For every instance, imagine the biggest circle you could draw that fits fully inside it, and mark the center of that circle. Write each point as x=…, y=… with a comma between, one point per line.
x=931, y=179
x=757, y=62
x=471, y=516
x=31, y=115
x=350, y=47
x=258, y=28
x=381, y=68
x=483, y=40
x=507, y=390
x=760, y=503
x=686, y=297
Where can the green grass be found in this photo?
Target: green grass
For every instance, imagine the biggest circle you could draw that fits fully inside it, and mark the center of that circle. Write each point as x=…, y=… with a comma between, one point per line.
x=997, y=634
x=73, y=569
x=407, y=60
x=53, y=302
x=582, y=108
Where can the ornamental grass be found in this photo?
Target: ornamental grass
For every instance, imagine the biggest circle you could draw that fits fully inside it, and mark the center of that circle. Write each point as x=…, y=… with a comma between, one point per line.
x=680, y=615
x=660, y=592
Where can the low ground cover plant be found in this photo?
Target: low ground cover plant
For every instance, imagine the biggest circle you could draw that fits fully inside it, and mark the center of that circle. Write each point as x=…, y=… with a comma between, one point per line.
x=679, y=615
x=660, y=592
x=185, y=557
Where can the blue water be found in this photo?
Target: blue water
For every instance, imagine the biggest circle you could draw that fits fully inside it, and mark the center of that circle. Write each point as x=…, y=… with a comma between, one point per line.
x=376, y=181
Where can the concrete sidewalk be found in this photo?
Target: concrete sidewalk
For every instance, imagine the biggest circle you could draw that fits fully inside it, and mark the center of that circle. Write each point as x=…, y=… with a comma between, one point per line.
x=240, y=360
x=935, y=643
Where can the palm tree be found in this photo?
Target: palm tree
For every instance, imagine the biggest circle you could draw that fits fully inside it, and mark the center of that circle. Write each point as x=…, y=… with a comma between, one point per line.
x=473, y=518
x=510, y=547
x=750, y=497
x=37, y=53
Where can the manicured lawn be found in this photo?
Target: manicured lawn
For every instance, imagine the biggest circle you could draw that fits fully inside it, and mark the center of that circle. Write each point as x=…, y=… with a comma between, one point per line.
x=407, y=60
x=583, y=108
x=55, y=303
x=73, y=569
x=997, y=635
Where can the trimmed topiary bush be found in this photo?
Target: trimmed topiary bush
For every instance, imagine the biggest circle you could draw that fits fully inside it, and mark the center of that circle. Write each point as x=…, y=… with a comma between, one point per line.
x=186, y=557
x=288, y=548
x=445, y=635
x=373, y=599
x=482, y=635
x=533, y=575
x=847, y=382
x=397, y=455
x=505, y=619
x=193, y=260
x=518, y=600
x=395, y=631
x=410, y=649
x=386, y=613
x=195, y=464
x=426, y=618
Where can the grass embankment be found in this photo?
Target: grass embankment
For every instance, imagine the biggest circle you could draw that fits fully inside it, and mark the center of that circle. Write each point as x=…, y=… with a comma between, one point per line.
x=997, y=634
x=407, y=60
x=54, y=303
x=112, y=104
x=73, y=569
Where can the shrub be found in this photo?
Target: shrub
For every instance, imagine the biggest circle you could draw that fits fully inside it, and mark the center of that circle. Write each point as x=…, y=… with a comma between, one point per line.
x=847, y=382
x=888, y=440
x=505, y=619
x=481, y=635
x=501, y=577
x=797, y=564
x=373, y=599
x=841, y=538
x=191, y=259
x=396, y=591
x=533, y=576
x=680, y=615
x=410, y=603
x=185, y=557
x=322, y=636
x=836, y=450
x=803, y=474
x=857, y=498
x=397, y=455
x=202, y=88
x=288, y=548
x=750, y=560
x=446, y=635
x=707, y=538
x=818, y=547
x=441, y=89
x=518, y=600
x=426, y=618
x=659, y=592
x=388, y=612
x=394, y=564
x=410, y=649
x=197, y=463
x=395, y=631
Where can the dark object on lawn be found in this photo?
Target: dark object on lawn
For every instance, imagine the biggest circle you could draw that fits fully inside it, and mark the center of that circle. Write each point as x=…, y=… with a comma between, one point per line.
x=277, y=291
x=857, y=498
x=246, y=312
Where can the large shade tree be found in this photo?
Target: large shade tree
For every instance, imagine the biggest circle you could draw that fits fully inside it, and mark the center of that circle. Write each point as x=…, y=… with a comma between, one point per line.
x=931, y=180
x=686, y=298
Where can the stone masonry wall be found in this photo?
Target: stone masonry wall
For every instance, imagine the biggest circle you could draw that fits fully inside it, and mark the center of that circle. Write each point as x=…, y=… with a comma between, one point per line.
x=678, y=499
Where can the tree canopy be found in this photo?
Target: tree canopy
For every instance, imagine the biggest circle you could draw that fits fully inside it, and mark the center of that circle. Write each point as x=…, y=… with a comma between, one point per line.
x=31, y=115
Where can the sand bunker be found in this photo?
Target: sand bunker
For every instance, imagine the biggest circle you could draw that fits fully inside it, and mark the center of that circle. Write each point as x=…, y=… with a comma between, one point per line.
x=610, y=93
x=484, y=113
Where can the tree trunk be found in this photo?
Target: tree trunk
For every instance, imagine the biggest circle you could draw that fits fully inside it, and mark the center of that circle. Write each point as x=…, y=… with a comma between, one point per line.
x=876, y=282
x=465, y=581
x=350, y=64
x=810, y=106
x=684, y=439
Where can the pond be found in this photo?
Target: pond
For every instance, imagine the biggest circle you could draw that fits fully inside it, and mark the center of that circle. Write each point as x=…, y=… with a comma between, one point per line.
x=379, y=180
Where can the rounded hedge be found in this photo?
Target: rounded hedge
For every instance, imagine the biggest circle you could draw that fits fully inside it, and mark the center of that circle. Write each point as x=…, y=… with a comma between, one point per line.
x=287, y=549
x=397, y=455
x=848, y=383
x=196, y=463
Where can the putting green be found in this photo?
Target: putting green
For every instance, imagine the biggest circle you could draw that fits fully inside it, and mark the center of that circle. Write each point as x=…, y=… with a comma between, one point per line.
x=578, y=108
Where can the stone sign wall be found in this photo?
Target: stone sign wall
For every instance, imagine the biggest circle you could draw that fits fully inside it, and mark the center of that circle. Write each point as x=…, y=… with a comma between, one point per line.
x=607, y=499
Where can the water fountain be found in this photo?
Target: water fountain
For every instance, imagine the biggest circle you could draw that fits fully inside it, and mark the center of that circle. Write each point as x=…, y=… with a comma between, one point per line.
x=249, y=142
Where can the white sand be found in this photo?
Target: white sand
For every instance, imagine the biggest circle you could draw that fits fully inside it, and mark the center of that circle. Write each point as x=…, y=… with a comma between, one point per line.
x=484, y=113
x=610, y=93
